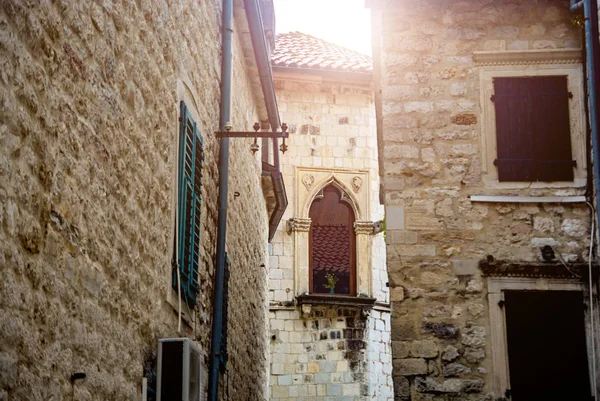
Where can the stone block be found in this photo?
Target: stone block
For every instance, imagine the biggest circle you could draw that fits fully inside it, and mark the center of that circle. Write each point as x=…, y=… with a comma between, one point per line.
x=473, y=336
x=410, y=366
x=334, y=389
x=401, y=237
x=394, y=217
x=440, y=330
x=403, y=330
x=474, y=355
x=401, y=388
x=429, y=385
x=455, y=369
x=450, y=353
x=463, y=267
x=424, y=349
x=400, y=349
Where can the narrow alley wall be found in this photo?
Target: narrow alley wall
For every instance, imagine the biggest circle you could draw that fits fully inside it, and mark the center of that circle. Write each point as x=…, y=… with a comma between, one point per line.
x=88, y=152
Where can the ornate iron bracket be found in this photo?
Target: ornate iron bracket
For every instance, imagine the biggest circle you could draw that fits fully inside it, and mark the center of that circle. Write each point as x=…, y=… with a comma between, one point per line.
x=284, y=134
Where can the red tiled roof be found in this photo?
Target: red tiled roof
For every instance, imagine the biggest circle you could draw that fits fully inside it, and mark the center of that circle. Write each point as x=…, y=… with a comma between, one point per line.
x=331, y=248
x=299, y=50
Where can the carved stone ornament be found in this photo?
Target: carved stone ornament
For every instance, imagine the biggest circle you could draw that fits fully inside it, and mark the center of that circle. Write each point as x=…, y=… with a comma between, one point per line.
x=300, y=224
x=363, y=227
x=357, y=183
x=308, y=180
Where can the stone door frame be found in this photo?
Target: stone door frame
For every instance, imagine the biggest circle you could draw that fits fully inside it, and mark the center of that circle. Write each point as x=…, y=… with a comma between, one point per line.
x=500, y=378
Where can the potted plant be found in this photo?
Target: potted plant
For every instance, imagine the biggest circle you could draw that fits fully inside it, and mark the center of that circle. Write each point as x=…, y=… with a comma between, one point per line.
x=331, y=281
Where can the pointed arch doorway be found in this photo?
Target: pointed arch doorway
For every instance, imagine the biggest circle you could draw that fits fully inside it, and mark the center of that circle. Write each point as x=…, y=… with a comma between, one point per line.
x=332, y=243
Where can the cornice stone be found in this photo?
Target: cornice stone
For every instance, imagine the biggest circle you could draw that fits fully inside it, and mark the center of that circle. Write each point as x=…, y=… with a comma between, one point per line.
x=363, y=227
x=528, y=57
x=299, y=224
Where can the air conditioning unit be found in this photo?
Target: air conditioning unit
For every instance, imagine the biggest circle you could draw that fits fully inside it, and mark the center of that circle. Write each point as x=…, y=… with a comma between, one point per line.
x=181, y=370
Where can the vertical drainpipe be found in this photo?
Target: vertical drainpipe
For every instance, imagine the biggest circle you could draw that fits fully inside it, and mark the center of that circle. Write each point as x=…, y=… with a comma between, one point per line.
x=590, y=13
x=217, y=326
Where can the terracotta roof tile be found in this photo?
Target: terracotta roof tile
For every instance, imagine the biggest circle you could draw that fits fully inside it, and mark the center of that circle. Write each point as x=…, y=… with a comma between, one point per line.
x=331, y=248
x=299, y=50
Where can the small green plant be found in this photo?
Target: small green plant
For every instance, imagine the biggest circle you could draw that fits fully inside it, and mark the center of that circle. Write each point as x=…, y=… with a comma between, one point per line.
x=578, y=21
x=331, y=281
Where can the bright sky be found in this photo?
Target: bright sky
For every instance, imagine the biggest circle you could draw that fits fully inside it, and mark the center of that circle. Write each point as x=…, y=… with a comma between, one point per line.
x=343, y=22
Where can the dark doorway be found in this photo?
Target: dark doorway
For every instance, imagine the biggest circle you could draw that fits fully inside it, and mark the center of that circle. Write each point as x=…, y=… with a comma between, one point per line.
x=332, y=244
x=547, y=352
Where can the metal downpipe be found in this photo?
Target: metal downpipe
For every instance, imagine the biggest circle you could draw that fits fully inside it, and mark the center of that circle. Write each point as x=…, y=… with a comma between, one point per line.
x=263, y=62
x=217, y=326
x=590, y=14
x=591, y=33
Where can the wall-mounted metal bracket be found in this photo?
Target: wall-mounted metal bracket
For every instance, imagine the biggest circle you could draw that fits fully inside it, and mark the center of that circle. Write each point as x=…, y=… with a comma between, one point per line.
x=256, y=134
x=239, y=134
x=284, y=134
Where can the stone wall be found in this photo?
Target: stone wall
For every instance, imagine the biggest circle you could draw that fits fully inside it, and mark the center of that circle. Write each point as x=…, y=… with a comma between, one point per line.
x=88, y=145
x=433, y=162
x=329, y=353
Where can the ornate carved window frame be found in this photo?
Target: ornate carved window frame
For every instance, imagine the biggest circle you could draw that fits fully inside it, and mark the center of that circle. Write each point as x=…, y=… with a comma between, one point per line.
x=354, y=184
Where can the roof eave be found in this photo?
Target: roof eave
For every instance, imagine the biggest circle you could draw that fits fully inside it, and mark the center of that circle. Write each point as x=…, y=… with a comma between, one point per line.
x=346, y=75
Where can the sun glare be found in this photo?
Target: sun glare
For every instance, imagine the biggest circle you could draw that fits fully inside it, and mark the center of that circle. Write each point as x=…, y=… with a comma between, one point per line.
x=343, y=22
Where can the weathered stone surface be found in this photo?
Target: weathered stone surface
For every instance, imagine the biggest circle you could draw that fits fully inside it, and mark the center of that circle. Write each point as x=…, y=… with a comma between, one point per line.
x=401, y=388
x=473, y=336
x=445, y=292
x=424, y=349
x=474, y=355
x=455, y=369
x=410, y=367
x=88, y=158
x=474, y=286
x=428, y=385
x=574, y=227
x=400, y=349
x=440, y=330
x=450, y=353
x=473, y=386
x=464, y=119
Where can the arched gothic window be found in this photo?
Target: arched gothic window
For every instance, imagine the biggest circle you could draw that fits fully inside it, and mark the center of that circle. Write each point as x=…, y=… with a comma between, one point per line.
x=332, y=243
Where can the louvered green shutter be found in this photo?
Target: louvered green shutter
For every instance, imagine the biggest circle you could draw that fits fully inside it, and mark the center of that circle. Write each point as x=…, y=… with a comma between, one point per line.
x=191, y=157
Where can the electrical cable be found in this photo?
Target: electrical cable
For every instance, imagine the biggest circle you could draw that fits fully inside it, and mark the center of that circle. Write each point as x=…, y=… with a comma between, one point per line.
x=179, y=296
x=567, y=267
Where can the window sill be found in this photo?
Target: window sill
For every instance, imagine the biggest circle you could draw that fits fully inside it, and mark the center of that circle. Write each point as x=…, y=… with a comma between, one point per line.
x=336, y=300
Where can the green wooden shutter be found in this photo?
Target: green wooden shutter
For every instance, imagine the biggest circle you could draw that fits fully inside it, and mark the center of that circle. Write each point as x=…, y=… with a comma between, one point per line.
x=191, y=157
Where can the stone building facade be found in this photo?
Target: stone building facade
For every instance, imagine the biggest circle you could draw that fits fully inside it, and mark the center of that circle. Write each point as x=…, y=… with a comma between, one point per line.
x=463, y=240
x=90, y=98
x=323, y=346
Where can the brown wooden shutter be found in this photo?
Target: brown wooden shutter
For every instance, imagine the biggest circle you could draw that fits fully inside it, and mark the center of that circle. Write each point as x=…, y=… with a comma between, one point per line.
x=532, y=129
x=553, y=140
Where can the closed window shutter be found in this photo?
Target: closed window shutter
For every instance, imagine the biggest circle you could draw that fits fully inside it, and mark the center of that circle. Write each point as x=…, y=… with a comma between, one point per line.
x=552, y=122
x=191, y=157
x=532, y=129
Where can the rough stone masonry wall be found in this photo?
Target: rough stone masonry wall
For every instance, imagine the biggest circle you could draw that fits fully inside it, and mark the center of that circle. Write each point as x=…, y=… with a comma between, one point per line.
x=88, y=129
x=432, y=163
x=335, y=353
x=330, y=354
